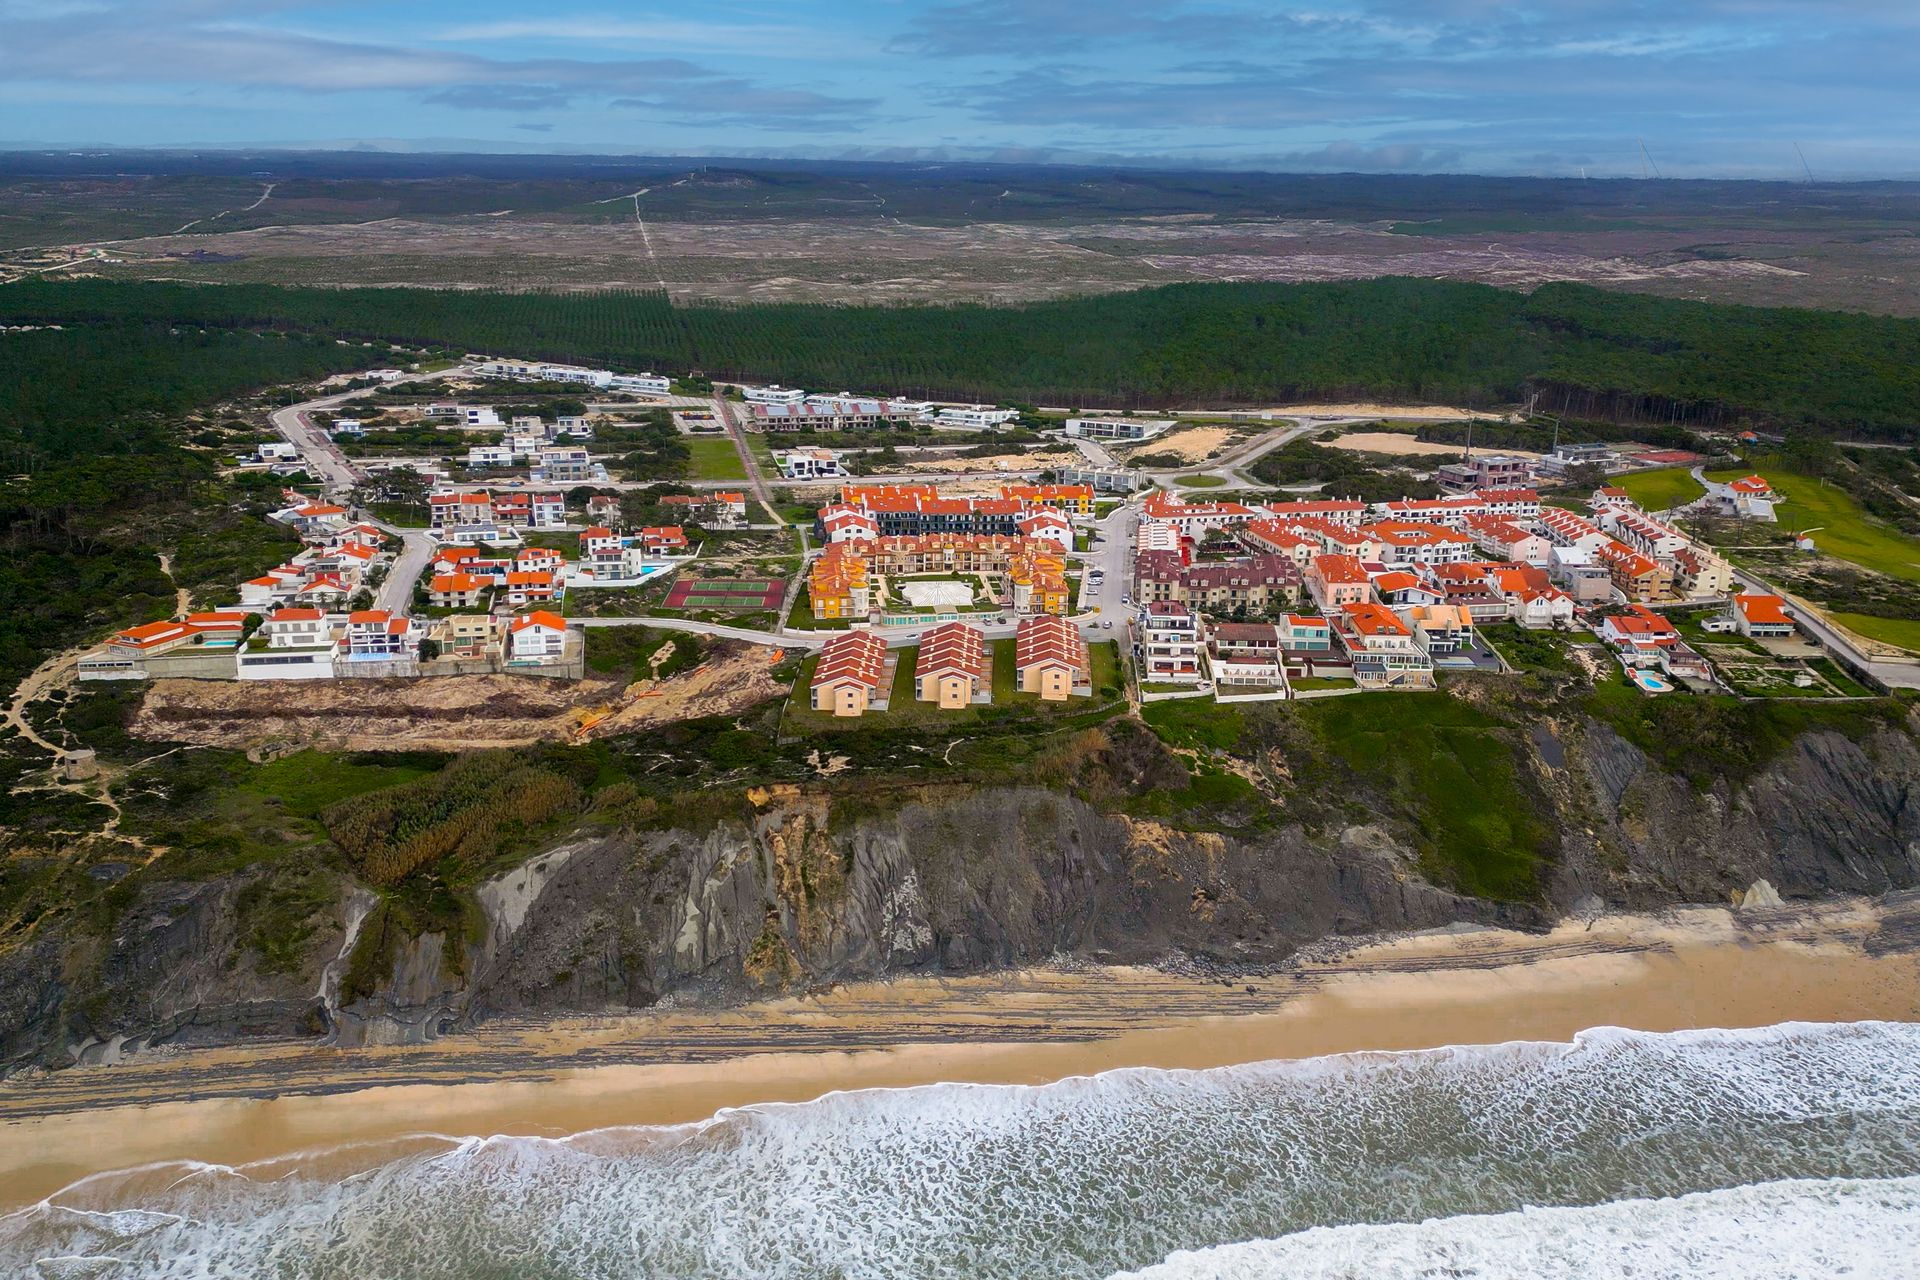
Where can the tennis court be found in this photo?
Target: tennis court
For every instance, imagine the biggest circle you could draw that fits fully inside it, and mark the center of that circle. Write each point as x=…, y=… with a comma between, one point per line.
x=742, y=594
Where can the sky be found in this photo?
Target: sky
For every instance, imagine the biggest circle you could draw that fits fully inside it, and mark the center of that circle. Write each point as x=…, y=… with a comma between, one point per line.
x=1550, y=87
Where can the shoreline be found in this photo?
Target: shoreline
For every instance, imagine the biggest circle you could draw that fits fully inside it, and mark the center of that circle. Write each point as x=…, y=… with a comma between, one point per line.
x=1693, y=968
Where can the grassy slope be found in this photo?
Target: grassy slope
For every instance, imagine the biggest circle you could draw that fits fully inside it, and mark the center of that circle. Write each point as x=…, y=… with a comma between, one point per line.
x=1660, y=489
x=1842, y=528
x=1904, y=632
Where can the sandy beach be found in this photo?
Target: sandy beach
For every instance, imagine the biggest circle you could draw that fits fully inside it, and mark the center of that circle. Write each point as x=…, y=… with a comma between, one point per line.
x=1701, y=967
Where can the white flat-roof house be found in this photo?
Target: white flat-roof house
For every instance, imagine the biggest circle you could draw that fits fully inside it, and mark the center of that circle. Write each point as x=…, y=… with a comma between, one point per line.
x=975, y=417
x=808, y=464
x=775, y=394
x=1117, y=428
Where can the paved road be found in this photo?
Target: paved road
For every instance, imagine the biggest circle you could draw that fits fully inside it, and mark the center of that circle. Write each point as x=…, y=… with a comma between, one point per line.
x=396, y=589
x=323, y=459
x=1112, y=554
x=738, y=434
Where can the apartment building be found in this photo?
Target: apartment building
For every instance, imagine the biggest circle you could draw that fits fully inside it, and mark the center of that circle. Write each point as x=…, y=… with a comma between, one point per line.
x=1170, y=642
x=1384, y=650
x=1117, y=428
x=1335, y=581
x=1050, y=659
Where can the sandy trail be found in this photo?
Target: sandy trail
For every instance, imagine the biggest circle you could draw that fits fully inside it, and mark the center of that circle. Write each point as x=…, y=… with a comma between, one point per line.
x=1702, y=967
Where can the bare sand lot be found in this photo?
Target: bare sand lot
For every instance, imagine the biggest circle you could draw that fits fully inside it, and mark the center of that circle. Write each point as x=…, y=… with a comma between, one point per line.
x=1394, y=442
x=1193, y=444
x=998, y=462
x=447, y=713
x=1701, y=967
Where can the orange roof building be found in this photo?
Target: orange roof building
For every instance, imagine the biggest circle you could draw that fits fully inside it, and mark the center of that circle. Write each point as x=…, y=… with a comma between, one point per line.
x=952, y=669
x=1050, y=658
x=846, y=680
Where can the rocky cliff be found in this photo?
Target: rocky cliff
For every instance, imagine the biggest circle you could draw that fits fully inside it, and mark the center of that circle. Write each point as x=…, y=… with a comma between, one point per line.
x=804, y=888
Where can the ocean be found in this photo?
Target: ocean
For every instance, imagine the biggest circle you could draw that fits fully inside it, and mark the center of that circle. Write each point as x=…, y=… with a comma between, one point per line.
x=1791, y=1151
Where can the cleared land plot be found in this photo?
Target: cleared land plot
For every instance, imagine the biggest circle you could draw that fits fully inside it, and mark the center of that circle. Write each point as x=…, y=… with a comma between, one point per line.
x=1660, y=489
x=714, y=459
x=1394, y=443
x=726, y=593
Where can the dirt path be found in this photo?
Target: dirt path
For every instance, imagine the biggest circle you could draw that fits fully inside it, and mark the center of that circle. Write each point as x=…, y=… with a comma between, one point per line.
x=182, y=598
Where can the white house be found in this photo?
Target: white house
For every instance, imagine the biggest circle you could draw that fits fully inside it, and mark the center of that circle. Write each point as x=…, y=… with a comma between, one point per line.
x=489, y=455
x=774, y=395
x=1117, y=428
x=275, y=451
x=537, y=637
x=809, y=464
x=650, y=384
x=1762, y=617
x=976, y=417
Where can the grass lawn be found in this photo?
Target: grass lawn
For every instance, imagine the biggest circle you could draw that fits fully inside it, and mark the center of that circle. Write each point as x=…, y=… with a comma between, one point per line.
x=714, y=458
x=399, y=514
x=1200, y=482
x=1310, y=683
x=308, y=781
x=1840, y=527
x=1903, y=632
x=1661, y=488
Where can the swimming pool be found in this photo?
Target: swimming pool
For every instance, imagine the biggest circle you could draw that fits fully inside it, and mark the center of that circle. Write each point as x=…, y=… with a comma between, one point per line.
x=1650, y=683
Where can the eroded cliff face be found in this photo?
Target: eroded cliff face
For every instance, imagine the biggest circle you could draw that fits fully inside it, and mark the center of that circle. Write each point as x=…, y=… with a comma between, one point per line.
x=804, y=889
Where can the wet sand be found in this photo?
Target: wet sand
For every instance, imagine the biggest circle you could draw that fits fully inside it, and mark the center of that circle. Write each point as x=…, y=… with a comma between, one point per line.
x=1704, y=967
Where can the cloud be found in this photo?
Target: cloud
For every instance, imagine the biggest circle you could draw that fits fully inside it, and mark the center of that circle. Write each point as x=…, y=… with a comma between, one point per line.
x=495, y=97
x=1047, y=28
x=134, y=45
x=529, y=127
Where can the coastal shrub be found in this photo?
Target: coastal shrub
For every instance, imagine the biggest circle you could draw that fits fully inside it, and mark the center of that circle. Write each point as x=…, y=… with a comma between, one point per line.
x=478, y=807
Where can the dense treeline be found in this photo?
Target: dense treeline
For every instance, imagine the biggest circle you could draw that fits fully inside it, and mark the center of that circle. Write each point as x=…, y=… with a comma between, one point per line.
x=101, y=474
x=92, y=389
x=1576, y=349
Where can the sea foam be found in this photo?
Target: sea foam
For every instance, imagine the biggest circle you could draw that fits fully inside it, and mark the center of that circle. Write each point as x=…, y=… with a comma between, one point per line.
x=1082, y=1178
x=1799, y=1230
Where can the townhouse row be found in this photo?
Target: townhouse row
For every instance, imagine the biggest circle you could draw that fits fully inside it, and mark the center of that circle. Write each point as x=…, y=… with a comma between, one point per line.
x=953, y=667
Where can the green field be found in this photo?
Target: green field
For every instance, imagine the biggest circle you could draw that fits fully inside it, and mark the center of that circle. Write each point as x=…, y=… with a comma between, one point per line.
x=1840, y=528
x=1200, y=482
x=715, y=459
x=1904, y=632
x=1661, y=488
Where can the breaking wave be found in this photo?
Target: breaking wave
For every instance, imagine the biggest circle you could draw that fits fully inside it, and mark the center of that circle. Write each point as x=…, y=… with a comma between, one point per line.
x=1776, y=1231
x=1086, y=1177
